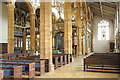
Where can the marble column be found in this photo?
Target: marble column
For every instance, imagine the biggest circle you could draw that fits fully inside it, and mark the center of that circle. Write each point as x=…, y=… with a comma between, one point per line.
x=32, y=33
x=46, y=32
x=79, y=28
x=10, y=28
x=24, y=40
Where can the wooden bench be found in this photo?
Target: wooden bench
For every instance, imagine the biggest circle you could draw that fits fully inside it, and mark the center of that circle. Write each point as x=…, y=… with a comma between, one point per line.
x=64, y=57
x=102, y=62
x=11, y=71
x=55, y=59
x=58, y=61
x=39, y=65
x=23, y=54
x=105, y=55
x=12, y=56
x=47, y=67
x=27, y=67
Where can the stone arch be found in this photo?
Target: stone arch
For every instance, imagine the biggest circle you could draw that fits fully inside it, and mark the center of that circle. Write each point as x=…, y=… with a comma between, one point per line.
x=31, y=9
x=28, y=4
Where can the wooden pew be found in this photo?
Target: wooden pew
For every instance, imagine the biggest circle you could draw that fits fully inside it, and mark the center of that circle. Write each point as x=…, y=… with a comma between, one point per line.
x=29, y=67
x=64, y=57
x=12, y=72
x=105, y=56
x=104, y=53
x=104, y=65
x=102, y=62
x=47, y=67
x=12, y=56
x=47, y=64
x=55, y=61
x=68, y=58
x=39, y=65
x=23, y=54
x=60, y=60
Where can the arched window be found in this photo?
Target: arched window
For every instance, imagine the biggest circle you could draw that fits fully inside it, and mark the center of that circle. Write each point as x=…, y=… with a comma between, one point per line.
x=103, y=30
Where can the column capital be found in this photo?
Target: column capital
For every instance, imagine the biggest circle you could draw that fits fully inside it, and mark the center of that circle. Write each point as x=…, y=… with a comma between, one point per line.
x=10, y=5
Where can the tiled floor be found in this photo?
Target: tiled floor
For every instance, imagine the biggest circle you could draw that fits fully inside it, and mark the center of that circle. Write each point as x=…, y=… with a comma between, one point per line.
x=75, y=70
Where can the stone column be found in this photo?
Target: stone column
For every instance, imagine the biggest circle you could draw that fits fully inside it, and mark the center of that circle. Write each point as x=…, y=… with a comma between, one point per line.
x=46, y=32
x=24, y=40
x=67, y=30
x=11, y=28
x=79, y=28
x=32, y=33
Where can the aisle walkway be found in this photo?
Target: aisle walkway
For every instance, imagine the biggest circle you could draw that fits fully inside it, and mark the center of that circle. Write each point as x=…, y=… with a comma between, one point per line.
x=75, y=70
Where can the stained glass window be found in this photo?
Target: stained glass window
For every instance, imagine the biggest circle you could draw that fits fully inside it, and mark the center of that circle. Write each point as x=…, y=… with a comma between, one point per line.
x=103, y=30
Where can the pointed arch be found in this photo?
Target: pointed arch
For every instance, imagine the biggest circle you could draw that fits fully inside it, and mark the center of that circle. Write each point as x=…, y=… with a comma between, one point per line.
x=31, y=9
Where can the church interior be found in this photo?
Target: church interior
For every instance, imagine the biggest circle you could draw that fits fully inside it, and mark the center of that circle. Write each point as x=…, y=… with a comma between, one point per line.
x=59, y=39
